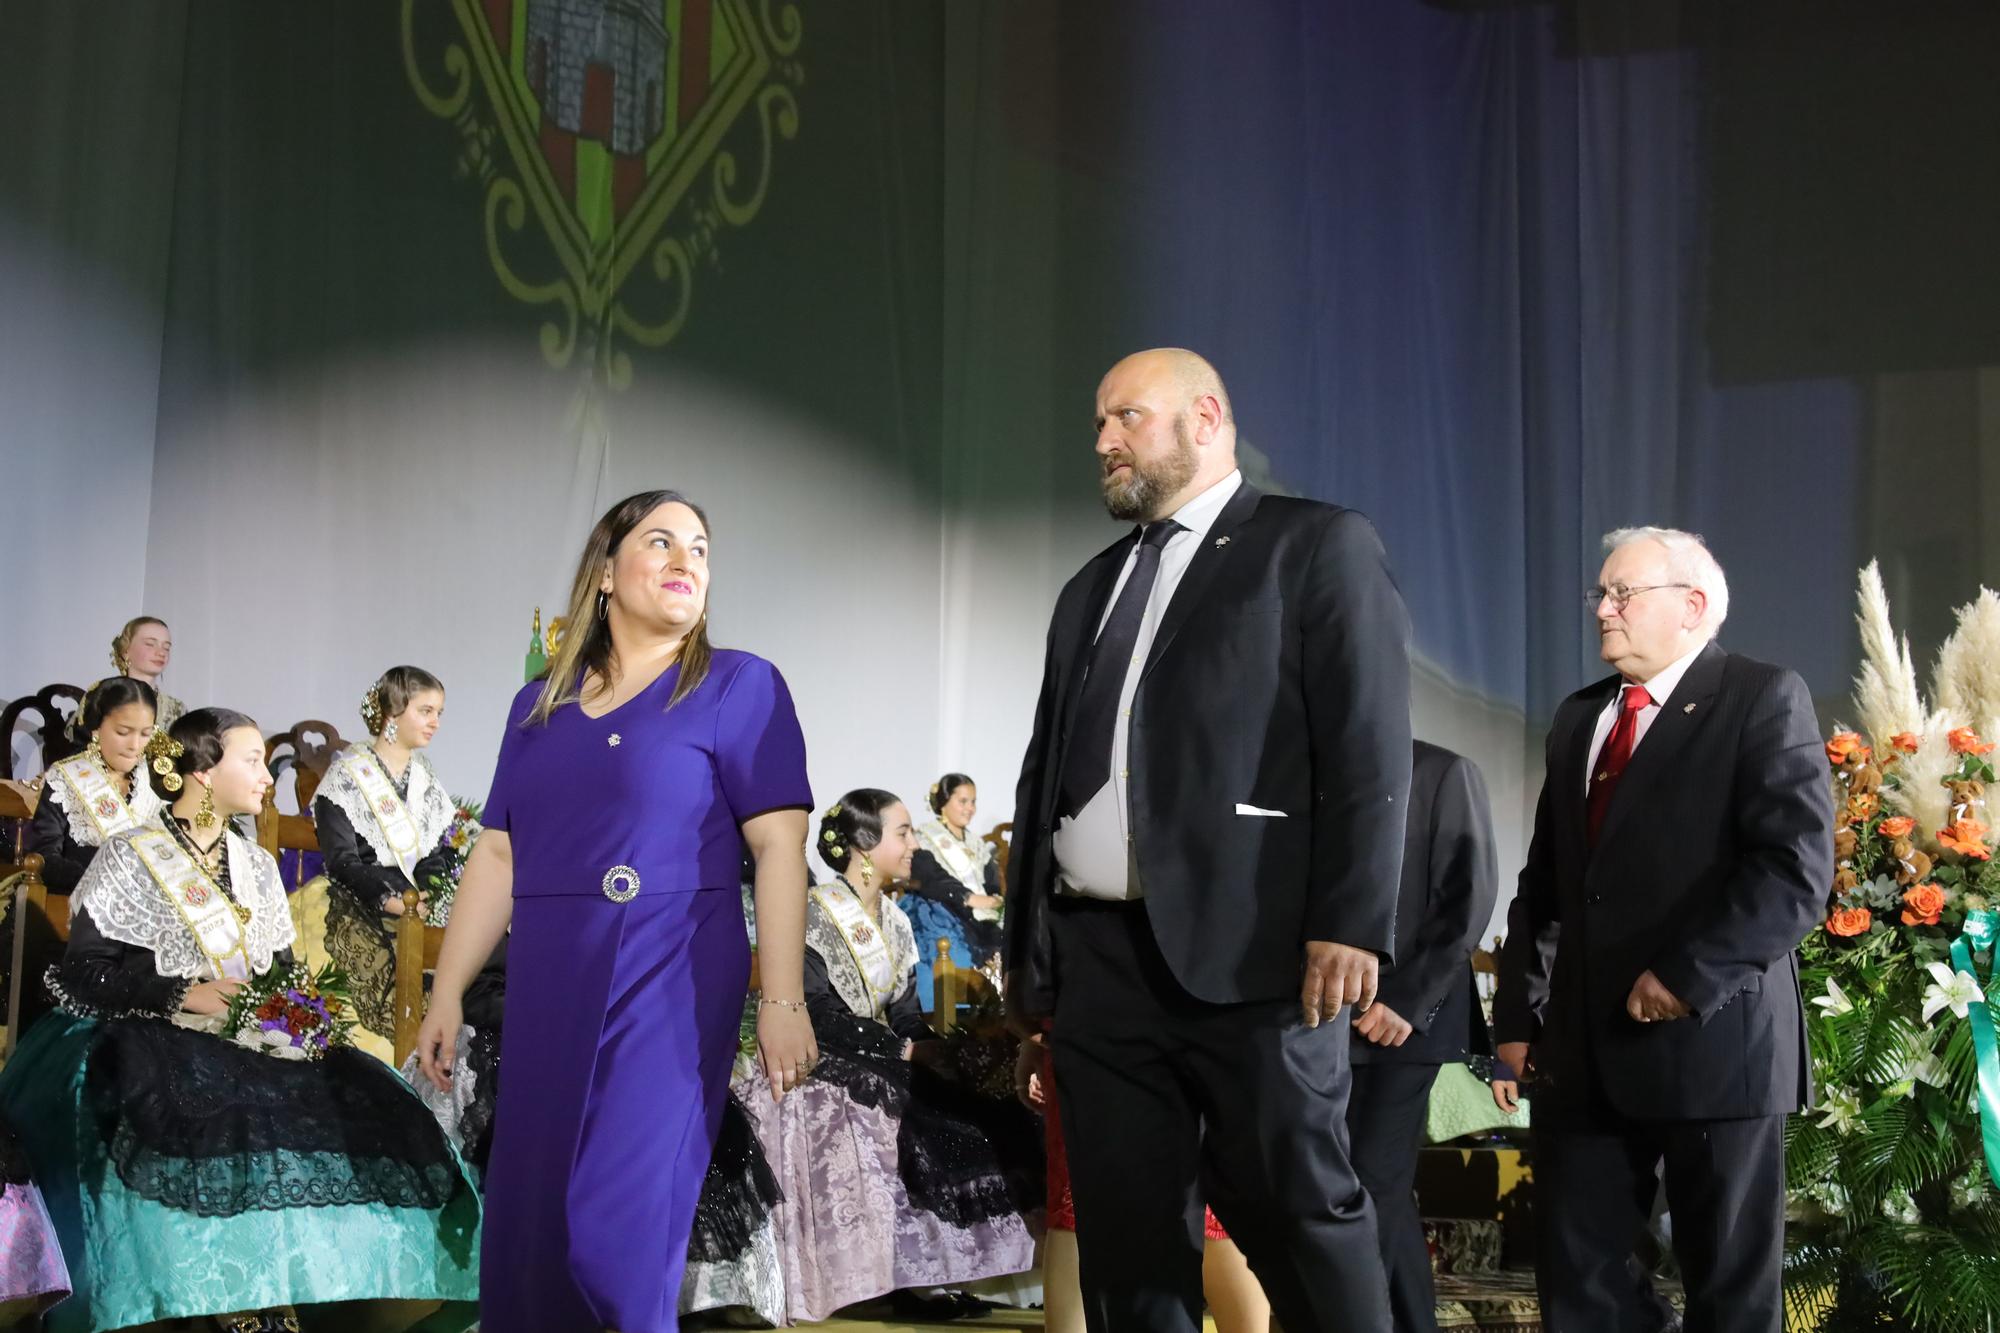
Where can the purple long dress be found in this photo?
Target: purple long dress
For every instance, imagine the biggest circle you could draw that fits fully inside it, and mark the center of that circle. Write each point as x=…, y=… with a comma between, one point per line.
x=622, y=1016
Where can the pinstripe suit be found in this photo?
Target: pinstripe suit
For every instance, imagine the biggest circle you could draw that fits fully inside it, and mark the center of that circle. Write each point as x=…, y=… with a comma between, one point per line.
x=1712, y=863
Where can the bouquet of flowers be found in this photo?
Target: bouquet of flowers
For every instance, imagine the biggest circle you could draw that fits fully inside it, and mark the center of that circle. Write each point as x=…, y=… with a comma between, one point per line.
x=293, y=1013
x=1894, y=1219
x=441, y=889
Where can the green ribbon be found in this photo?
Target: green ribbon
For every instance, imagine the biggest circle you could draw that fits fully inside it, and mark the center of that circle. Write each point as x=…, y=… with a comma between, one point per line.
x=1980, y=929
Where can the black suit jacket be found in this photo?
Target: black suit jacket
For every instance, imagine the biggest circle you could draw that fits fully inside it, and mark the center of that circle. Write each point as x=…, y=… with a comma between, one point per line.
x=1712, y=865
x=1448, y=885
x=1279, y=679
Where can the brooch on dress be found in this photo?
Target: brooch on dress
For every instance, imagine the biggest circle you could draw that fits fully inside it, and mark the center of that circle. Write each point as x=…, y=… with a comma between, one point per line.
x=621, y=884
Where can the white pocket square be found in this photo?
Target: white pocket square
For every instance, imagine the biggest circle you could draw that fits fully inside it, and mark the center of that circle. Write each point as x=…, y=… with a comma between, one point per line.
x=1242, y=809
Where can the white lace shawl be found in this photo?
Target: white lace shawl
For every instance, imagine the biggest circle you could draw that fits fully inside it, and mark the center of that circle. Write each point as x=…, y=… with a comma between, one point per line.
x=145, y=802
x=430, y=808
x=964, y=860
x=128, y=905
x=823, y=937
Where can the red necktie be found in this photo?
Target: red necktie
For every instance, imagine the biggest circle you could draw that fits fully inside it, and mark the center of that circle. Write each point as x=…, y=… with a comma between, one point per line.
x=1617, y=752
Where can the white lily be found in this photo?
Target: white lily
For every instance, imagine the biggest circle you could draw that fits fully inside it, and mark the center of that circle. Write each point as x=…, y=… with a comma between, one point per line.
x=1843, y=1111
x=1956, y=991
x=1835, y=1001
x=1919, y=1065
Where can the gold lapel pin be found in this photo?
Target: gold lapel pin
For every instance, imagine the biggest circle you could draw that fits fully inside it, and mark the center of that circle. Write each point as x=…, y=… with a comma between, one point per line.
x=1688, y=709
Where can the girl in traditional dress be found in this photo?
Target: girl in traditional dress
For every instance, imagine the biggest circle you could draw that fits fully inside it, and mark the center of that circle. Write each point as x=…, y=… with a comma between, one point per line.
x=141, y=651
x=381, y=815
x=954, y=889
x=102, y=791
x=188, y=1175
x=892, y=1177
x=628, y=781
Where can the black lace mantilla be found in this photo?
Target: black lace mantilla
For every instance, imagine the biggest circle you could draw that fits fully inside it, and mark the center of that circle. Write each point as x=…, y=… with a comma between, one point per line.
x=961, y=1156
x=205, y=1126
x=738, y=1193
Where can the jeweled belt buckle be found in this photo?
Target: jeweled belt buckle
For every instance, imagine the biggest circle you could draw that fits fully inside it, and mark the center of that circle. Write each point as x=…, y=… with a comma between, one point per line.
x=621, y=884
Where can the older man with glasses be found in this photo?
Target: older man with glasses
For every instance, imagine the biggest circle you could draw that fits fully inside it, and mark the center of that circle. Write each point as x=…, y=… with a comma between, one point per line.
x=1683, y=845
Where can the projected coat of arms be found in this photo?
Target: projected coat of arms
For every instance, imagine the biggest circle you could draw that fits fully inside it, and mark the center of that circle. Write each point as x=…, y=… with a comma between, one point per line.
x=616, y=142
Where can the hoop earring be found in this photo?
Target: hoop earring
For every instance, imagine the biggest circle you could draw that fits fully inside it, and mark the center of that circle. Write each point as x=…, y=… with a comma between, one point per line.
x=603, y=601
x=204, y=818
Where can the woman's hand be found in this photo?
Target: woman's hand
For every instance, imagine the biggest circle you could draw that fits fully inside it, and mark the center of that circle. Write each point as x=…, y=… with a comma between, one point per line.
x=392, y=905
x=437, y=1039
x=979, y=902
x=785, y=1046
x=211, y=997
x=1515, y=1061
x=1028, y=1073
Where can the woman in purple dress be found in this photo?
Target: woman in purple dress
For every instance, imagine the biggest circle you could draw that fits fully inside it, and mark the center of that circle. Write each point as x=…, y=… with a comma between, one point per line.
x=629, y=780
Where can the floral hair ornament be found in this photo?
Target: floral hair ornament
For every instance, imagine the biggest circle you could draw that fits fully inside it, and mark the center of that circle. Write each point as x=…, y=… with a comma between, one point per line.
x=163, y=749
x=371, y=709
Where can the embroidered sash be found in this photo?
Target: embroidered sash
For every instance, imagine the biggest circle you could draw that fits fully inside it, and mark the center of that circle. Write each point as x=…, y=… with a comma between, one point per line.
x=867, y=944
x=391, y=815
x=98, y=797
x=965, y=859
x=197, y=899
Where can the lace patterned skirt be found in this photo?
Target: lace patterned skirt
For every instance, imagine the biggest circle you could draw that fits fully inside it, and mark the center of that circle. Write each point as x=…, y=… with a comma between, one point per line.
x=363, y=944
x=187, y=1176
x=846, y=1230
x=32, y=1274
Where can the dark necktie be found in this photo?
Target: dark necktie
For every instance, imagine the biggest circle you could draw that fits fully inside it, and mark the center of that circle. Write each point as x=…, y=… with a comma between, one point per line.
x=1087, y=759
x=1617, y=753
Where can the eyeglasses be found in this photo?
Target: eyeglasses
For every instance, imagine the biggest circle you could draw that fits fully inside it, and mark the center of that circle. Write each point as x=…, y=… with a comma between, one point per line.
x=1620, y=594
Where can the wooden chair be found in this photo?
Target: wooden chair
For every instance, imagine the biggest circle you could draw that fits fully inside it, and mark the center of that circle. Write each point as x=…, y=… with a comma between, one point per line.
x=417, y=947
x=307, y=748
x=1002, y=838
x=951, y=986
x=52, y=706
x=1486, y=969
x=41, y=920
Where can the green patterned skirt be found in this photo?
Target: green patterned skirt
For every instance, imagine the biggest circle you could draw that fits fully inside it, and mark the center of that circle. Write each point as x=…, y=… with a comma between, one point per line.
x=247, y=1183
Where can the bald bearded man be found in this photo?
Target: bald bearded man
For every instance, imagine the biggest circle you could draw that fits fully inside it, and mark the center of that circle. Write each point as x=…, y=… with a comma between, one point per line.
x=1207, y=839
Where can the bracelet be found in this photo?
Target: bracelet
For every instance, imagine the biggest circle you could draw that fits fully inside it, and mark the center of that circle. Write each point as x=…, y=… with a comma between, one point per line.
x=798, y=1006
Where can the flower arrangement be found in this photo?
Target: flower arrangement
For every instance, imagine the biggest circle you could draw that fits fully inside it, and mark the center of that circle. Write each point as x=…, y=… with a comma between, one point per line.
x=1894, y=1219
x=441, y=890
x=291, y=1012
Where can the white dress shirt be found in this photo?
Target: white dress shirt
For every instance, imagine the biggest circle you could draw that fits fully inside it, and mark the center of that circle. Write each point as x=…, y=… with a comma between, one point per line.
x=1661, y=688
x=1094, y=854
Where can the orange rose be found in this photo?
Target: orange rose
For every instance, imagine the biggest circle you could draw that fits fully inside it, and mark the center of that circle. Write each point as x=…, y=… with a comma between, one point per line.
x=1906, y=741
x=1848, y=922
x=1922, y=903
x=1964, y=740
x=1896, y=826
x=1862, y=808
x=1967, y=837
x=1843, y=745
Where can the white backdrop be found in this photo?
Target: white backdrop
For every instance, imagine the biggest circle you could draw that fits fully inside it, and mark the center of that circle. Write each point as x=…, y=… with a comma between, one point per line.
x=420, y=509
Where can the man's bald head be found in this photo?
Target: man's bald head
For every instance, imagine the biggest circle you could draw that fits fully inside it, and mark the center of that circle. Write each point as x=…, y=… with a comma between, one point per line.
x=1165, y=432
x=1190, y=373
